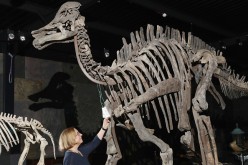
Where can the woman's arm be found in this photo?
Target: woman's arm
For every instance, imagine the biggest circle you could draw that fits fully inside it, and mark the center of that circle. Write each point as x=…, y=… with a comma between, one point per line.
x=104, y=128
x=89, y=147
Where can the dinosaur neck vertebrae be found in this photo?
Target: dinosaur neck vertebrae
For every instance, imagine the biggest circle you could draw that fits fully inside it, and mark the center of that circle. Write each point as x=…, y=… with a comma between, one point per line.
x=93, y=70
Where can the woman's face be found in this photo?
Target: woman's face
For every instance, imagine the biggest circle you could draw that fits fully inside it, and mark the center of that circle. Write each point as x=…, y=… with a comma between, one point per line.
x=78, y=138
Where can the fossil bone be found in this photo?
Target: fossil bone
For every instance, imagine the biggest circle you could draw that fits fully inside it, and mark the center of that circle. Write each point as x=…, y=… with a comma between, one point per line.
x=10, y=124
x=152, y=73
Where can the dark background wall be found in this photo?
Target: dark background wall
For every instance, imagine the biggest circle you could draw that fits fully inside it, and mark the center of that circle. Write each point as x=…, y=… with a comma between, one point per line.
x=58, y=98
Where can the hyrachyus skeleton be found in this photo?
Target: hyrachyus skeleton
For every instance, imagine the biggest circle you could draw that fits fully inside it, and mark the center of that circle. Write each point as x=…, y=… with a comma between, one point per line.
x=10, y=124
x=152, y=73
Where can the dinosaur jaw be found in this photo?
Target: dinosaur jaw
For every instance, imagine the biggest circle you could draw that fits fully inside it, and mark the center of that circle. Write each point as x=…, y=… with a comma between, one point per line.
x=45, y=37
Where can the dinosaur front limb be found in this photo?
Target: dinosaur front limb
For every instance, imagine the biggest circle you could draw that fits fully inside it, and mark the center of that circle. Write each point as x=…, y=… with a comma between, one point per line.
x=210, y=64
x=166, y=152
x=113, y=149
x=27, y=141
x=43, y=144
x=187, y=140
x=206, y=139
x=24, y=152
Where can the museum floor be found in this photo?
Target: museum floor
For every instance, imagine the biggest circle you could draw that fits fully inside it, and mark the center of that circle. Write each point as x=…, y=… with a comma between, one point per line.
x=99, y=159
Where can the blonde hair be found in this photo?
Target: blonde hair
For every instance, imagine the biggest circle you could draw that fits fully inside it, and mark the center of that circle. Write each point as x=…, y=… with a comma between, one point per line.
x=67, y=139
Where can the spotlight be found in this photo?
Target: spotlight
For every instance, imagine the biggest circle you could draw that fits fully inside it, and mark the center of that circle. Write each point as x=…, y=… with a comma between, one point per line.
x=22, y=37
x=106, y=52
x=164, y=15
x=11, y=35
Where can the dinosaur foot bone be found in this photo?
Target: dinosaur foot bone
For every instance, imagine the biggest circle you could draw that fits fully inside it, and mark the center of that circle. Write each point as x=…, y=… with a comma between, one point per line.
x=167, y=158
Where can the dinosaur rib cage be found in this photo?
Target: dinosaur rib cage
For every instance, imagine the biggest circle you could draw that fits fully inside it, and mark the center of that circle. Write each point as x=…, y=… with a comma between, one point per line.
x=139, y=68
x=8, y=135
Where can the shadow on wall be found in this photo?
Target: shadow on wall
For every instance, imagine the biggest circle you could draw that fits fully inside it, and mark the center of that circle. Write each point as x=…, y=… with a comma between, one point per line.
x=58, y=95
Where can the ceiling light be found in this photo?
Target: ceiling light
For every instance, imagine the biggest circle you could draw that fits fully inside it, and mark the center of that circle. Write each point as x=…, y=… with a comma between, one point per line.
x=106, y=52
x=11, y=35
x=223, y=47
x=21, y=36
x=164, y=15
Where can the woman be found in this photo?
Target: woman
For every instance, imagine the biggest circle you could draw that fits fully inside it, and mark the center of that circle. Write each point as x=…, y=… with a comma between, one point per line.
x=70, y=141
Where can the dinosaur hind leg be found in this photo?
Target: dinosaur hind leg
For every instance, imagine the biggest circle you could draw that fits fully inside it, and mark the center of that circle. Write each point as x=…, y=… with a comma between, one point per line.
x=113, y=150
x=43, y=144
x=145, y=135
x=24, y=152
x=206, y=139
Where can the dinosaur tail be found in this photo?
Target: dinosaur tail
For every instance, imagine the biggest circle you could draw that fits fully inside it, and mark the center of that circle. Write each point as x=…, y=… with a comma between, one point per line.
x=232, y=85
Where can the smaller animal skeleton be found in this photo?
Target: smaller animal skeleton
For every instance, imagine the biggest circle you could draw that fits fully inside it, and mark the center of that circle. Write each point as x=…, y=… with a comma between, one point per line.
x=10, y=124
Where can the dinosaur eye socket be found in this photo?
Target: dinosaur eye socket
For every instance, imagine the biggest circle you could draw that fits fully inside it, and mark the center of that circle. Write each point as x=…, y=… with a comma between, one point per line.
x=69, y=11
x=63, y=13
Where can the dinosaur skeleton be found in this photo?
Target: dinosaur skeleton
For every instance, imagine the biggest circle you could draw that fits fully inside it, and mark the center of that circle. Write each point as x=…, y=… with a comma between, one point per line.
x=152, y=73
x=10, y=124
